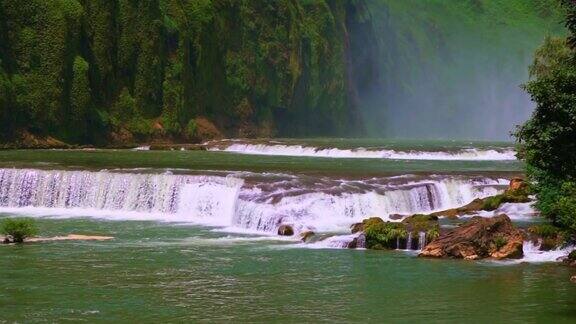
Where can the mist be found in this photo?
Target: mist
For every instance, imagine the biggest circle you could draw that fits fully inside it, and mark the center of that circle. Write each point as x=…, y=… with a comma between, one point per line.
x=448, y=69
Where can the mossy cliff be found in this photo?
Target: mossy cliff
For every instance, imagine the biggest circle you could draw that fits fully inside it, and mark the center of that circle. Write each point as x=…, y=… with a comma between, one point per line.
x=124, y=71
x=103, y=70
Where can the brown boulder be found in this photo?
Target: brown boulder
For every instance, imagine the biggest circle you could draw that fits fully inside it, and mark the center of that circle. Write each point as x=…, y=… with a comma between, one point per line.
x=356, y=227
x=517, y=185
x=396, y=216
x=285, y=230
x=478, y=238
x=307, y=236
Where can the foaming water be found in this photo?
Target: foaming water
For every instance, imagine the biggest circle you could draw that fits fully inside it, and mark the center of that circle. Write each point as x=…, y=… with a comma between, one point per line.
x=468, y=154
x=251, y=205
x=532, y=254
x=516, y=211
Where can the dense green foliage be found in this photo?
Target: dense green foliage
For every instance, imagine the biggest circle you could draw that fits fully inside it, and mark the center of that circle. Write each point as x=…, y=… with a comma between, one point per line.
x=91, y=71
x=383, y=235
x=549, y=138
x=101, y=71
x=18, y=228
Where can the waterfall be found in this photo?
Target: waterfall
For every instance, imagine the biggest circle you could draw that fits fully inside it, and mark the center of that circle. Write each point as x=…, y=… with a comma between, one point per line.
x=421, y=240
x=409, y=241
x=225, y=200
x=176, y=197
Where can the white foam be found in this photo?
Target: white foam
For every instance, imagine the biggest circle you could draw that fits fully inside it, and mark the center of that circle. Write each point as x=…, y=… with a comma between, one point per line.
x=222, y=202
x=532, y=254
x=332, y=242
x=516, y=211
x=469, y=154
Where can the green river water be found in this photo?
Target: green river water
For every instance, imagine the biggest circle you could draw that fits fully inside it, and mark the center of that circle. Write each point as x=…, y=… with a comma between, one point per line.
x=156, y=271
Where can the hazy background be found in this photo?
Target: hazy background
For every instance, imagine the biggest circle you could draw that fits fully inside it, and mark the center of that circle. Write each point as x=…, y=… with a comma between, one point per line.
x=449, y=68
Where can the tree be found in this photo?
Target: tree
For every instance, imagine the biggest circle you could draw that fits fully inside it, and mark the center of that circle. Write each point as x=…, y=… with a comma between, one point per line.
x=548, y=138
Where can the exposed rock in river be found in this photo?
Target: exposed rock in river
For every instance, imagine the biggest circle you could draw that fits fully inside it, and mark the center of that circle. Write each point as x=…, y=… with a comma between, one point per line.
x=285, y=230
x=307, y=236
x=479, y=238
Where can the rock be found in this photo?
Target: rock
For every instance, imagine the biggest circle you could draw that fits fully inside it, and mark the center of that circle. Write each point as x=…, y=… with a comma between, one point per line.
x=468, y=209
x=356, y=227
x=546, y=236
x=359, y=227
x=285, y=230
x=307, y=236
x=396, y=216
x=517, y=185
x=570, y=259
x=358, y=242
x=420, y=223
x=478, y=238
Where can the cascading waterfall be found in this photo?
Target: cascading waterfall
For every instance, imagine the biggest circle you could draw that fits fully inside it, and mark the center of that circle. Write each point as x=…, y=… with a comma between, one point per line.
x=224, y=200
x=172, y=197
x=421, y=240
x=409, y=241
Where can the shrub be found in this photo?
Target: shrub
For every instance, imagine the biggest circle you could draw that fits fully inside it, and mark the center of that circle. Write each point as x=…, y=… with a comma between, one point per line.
x=544, y=230
x=492, y=203
x=19, y=229
x=500, y=241
x=572, y=255
x=432, y=234
x=191, y=129
x=384, y=235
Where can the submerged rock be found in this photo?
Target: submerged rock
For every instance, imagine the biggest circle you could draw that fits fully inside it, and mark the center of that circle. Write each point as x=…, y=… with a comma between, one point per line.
x=478, y=238
x=285, y=230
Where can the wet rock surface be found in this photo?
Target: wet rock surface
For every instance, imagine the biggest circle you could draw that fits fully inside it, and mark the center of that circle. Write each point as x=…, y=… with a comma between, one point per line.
x=285, y=230
x=479, y=238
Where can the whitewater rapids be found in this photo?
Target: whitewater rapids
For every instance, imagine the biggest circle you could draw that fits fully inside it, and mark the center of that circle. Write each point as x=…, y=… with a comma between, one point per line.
x=240, y=202
x=464, y=154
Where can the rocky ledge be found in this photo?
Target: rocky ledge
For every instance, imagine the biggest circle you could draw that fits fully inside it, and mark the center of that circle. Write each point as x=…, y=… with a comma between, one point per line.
x=518, y=192
x=481, y=237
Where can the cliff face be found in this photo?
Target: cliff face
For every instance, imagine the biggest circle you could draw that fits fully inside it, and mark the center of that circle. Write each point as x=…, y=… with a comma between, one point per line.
x=86, y=71
x=101, y=71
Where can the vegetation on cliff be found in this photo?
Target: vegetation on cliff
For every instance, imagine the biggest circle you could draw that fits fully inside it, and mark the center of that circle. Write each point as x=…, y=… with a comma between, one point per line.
x=121, y=70
x=548, y=139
